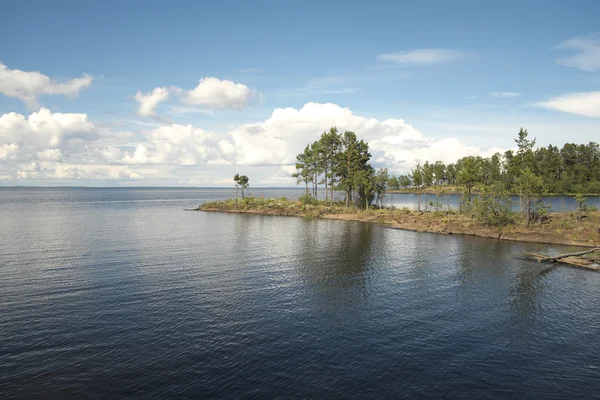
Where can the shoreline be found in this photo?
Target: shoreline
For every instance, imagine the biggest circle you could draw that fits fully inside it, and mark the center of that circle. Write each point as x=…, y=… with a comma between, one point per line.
x=439, y=223
x=443, y=191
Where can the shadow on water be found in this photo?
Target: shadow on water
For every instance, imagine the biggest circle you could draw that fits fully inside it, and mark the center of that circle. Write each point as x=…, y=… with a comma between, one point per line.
x=528, y=286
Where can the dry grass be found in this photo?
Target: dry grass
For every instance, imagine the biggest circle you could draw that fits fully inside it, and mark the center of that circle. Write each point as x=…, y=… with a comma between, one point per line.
x=559, y=228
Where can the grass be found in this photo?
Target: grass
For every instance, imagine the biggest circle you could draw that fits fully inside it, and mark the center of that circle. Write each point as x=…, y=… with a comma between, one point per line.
x=558, y=227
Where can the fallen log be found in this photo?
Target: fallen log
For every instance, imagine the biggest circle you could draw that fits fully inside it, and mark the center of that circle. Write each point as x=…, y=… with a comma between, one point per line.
x=541, y=258
x=572, y=259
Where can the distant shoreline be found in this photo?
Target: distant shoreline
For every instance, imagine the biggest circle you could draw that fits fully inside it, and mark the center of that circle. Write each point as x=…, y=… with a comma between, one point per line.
x=441, y=191
x=561, y=227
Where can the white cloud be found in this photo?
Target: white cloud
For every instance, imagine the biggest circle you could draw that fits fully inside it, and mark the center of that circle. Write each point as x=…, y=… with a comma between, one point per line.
x=172, y=145
x=217, y=93
x=211, y=93
x=49, y=145
x=421, y=56
x=29, y=86
x=149, y=101
x=586, y=104
x=504, y=94
x=393, y=142
x=325, y=85
x=43, y=133
x=587, y=57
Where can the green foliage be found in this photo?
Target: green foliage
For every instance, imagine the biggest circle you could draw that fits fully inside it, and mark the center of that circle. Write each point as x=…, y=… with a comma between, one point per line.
x=582, y=206
x=493, y=208
x=241, y=181
x=417, y=176
x=531, y=189
x=340, y=162
x=380, y=183
x=308, y=199
x=581, y=201
x=404, y=181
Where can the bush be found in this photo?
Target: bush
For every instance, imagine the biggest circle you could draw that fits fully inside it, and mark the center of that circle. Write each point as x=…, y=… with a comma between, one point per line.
x=308, y=199
x=493, y=209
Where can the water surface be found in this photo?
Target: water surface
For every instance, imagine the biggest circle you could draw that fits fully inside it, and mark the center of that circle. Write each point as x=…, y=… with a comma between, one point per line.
x=113, y=293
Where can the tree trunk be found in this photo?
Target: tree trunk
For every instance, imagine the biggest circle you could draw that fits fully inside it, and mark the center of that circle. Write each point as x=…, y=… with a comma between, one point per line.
x=326, y=190
x=528, y=209
x=332, y=184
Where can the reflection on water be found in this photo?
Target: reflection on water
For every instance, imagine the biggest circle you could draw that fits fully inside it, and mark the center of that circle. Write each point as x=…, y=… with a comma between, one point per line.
x=123, y=294
x=334, y=261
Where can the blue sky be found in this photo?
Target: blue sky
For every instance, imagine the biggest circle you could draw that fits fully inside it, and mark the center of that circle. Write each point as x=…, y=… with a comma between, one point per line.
x=419, y=80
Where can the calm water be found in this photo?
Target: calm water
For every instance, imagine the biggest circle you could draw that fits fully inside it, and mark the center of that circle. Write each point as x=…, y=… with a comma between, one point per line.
x=114, y=293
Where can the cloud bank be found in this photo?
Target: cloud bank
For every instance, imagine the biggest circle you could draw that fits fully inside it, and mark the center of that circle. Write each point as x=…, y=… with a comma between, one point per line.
x=46, y=145
x=29, y=86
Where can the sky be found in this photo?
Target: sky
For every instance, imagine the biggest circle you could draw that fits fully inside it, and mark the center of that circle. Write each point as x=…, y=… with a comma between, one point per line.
x=188, y=93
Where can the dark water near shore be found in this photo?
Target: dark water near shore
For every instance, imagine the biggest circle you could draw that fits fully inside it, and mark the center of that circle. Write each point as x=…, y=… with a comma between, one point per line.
x=109, y=293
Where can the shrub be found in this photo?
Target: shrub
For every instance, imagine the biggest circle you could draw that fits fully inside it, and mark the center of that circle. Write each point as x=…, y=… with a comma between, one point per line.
x=308, y=199
x=493, y=209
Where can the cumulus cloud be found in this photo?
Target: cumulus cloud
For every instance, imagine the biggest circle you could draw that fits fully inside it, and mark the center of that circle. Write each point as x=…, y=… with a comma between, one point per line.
x=29, y=86
x=420, y=57
x=45, y=133
x=210, y=94
x=586, y=104
x=149, y=101
x=217, y=93
x=68, y=146
x=587, y=57
x=504, y=94
x=172, y=145
x=393, y=142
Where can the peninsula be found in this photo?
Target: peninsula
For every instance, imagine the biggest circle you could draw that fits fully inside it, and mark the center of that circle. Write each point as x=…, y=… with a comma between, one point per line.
x=565, y=228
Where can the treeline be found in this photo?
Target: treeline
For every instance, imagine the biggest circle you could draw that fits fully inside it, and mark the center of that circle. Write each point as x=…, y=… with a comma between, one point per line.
x=340, y=162
x=573, y=169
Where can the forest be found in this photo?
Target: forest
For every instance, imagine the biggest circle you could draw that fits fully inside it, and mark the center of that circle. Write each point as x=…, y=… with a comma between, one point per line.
x=341, y=162
x=573, y=169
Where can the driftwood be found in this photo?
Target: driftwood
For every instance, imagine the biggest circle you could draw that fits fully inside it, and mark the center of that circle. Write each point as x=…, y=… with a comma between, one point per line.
x=541, y=258
x=573, y=259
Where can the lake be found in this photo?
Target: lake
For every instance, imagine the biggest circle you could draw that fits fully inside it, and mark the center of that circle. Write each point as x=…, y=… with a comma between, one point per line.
x=108, y=293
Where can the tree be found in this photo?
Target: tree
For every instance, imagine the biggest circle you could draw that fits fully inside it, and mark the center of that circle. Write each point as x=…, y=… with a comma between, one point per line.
x=416, y=176
x=531, y=188
x=417, y=179
x=469, y=173
x=394, y=183
x=364, y=187
x=427, y=174
x=439, y=172
x=493, y=207
x=304, y=168
x=525, y=160
x=404, y=181
x=380, y=185
x=353, y=158
x=328, y=152
x=241, y=181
